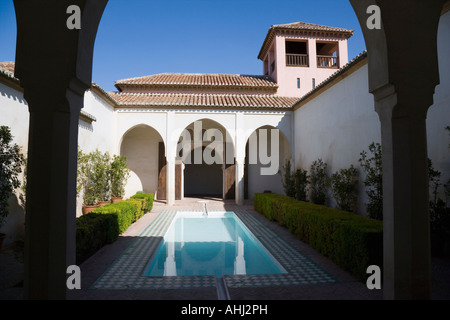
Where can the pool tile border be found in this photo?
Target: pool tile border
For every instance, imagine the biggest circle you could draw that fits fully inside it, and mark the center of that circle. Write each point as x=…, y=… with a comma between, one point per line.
x=127, y=271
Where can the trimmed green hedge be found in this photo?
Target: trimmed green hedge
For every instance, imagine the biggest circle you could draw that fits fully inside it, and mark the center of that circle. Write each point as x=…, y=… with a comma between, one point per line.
x=124, y=210
x=148, y=199
x=93, y=232
x=104, y=224
x=353, y=242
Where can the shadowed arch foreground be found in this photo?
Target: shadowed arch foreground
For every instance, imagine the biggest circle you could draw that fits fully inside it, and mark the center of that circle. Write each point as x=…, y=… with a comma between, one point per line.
x=403, y=81
x=53, y=132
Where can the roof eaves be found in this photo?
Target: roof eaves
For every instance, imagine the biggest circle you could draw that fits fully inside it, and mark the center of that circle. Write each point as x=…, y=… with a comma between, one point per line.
x=311, y=28
x=105, y=95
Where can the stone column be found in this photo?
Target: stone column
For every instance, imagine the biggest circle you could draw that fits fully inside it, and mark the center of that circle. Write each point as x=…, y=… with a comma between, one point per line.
x=240, y=162
x=240, y=138
x=312, y=53
x=407, y=264
x=51, y=193
x=171, y=149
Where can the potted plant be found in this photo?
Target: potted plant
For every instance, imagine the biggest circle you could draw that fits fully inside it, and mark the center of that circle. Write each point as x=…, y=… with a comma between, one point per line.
x=103, y=177
x=11, y=161
x=119, y=176
x=86, y=178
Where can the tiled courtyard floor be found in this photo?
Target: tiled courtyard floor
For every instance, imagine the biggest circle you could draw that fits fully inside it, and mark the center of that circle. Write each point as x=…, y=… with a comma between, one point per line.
x=116, y=271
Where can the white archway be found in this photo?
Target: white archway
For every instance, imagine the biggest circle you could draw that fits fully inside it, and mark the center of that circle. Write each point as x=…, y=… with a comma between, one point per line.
x=141, y=145
x=267, y=148
x=205, y=152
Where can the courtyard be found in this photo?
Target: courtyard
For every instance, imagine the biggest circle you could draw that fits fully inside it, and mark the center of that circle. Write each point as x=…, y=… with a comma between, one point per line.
x=110, y=274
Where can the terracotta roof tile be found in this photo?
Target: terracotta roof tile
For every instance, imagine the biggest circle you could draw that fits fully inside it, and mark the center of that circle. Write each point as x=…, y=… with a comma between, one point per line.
x=310, y=26
x=170, y=100
x=199, y=80
x=7, y=67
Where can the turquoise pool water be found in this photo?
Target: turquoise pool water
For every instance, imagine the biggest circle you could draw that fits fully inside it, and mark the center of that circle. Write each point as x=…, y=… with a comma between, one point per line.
x=217, y=244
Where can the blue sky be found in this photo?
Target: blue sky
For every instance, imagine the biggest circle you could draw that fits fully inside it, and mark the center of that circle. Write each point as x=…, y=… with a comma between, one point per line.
x=143, y=37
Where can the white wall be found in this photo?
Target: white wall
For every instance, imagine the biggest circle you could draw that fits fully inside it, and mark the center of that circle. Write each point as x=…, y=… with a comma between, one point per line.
x=341, y=122
x=286, y=76
x=337, y=126
x=101, y=133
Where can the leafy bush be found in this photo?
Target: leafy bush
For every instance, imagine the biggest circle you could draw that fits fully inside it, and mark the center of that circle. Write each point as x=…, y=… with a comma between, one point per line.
x=288, y=180
x=104, y=225
x=295, y=184
x=125, y=211
x=301, y=184
x=93, y=232
x=90, y=177
x=100, y=176
x=344, y=186
x=351, y=241
x=149, y=197
x=11, y=161
x=138, y=203
x=318, y=182
x=103, y=176
x=373, y=167
x=119, y=176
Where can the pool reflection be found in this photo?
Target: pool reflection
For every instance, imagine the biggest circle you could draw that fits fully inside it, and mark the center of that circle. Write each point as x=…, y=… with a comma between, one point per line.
x=214, y=245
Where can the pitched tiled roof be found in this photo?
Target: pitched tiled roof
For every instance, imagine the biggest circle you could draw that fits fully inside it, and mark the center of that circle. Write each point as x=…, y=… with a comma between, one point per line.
x=235, y=81
x=7, y=67
x=310, y=26
x=7, y=72
x=305, y=27
x=160, y=100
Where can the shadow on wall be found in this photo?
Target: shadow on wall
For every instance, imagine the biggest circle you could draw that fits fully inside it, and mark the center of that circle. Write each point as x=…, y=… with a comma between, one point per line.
x=14, y=226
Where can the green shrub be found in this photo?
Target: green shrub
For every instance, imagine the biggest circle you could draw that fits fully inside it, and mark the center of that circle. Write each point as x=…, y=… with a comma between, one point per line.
x=139, y=203
x=353, y=242
x=288, y=179
x=119, y=175
x=104, y=225
x=301, y=184
x=318, y=181
x=148, y=197
x=11, y=161
x=93, y=231
x=344, y=186
x=125, y=212
x=373, y=167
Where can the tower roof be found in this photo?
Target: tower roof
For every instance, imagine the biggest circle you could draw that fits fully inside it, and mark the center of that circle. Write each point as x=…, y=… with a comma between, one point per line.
x=303, y=28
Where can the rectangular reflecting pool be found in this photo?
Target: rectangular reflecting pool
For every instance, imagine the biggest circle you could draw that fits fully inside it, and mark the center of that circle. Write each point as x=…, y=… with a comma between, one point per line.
x=215, y=244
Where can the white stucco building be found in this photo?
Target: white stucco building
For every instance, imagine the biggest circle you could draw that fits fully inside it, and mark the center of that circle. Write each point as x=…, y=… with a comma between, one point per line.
x=316, y=99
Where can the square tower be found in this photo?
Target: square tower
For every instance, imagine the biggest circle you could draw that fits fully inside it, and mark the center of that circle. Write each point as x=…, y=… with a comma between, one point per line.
x=299, y=56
